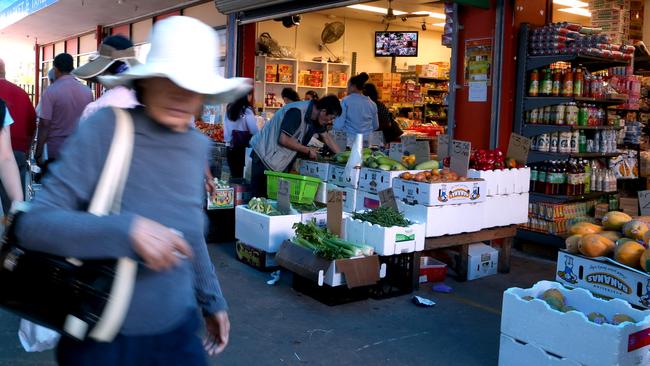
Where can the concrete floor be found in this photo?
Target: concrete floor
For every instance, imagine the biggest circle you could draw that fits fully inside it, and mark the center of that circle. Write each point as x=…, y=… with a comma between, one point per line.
x=274, y=325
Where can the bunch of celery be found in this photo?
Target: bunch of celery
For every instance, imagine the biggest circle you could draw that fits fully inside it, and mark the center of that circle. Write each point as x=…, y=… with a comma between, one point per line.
x=325, y=244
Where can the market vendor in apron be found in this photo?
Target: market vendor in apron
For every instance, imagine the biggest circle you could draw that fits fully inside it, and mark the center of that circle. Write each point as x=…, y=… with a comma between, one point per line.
x=277, y=145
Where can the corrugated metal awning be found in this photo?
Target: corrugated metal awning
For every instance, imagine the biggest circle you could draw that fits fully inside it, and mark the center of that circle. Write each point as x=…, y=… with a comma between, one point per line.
x=249, y=11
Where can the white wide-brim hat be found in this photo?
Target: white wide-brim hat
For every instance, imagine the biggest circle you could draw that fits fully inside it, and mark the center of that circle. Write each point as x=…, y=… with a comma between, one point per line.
x=186, y=51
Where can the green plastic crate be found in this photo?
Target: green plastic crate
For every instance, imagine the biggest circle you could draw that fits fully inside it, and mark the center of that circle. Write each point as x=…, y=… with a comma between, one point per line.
x=303, y=189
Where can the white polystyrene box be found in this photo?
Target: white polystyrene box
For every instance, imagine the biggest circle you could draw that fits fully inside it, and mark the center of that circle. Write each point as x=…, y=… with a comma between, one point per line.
x=513, y=352
x=571, y=335
x=337, y=176
x=386, y=241
x=349, y=197
x=446, y=220
x=377, y=180
x=262, y=231
x=315, y=169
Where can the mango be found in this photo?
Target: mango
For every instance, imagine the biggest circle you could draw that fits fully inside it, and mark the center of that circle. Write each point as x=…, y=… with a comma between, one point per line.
x=554, y=303
x=583, y=228
x=614, y=220
x=645, y=259
x=611, y=235
x=555, y=295
x=629, y=253
x=572, y=242
x=635, y=229
x=594, y=245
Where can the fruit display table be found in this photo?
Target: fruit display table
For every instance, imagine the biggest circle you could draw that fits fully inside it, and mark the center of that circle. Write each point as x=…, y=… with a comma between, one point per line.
x=506, y=233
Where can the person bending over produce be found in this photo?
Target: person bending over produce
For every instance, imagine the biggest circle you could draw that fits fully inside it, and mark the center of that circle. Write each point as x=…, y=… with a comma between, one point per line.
x=287, y=134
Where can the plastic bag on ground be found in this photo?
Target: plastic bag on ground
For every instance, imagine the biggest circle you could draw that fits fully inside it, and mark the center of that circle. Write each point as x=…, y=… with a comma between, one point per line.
x=36, y=338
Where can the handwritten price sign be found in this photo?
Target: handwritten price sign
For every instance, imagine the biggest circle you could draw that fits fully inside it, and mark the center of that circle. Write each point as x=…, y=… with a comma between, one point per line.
x=284, y=195
x=443, y=147
x=644, y=202
x=460, y=151
x=518, y=148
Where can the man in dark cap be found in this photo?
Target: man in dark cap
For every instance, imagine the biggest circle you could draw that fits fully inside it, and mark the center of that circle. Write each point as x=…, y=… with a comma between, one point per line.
x=61, y=106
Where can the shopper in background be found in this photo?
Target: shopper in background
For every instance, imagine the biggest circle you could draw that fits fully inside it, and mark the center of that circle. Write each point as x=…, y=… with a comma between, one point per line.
x=311, y=95
x=116, y=55
x=240, y=125
x=289, y=95
x=51, y=78
x=62, y=105
x=22, y=130
x=161, y=219
x=387, y=123
x=287, y=134
x=8, y=168
x=359, y=112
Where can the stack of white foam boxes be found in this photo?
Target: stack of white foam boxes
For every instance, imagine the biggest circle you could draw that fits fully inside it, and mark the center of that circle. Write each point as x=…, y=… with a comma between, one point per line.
x=334, y=179
x=373, y=181
x=507, y=196
x=535, y=334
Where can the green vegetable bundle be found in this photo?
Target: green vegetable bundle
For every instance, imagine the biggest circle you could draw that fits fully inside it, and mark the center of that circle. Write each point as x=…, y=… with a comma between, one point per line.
x=325, y=244
x=383, y=216
x=263, y=206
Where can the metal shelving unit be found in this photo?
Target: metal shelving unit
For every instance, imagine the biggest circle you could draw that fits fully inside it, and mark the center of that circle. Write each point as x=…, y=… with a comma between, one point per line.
x=523, y=103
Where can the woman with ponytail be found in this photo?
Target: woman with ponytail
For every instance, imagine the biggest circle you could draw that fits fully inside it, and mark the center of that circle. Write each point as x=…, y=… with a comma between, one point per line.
x=359, y=112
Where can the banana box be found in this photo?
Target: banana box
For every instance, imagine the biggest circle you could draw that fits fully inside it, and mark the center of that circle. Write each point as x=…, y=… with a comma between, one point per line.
x=438, y=194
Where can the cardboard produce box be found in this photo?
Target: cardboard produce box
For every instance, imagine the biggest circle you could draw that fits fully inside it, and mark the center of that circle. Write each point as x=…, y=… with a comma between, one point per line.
x=505, y=210
x=512, y=352
x=221, y=198
x=438, y=194
x=386, y=240
x=432, y=270
x=353, y=272
x=483, y=261
x=503, y=181
x=571, y=335
x=255, y=257
x=315, y=169
x=447, y=219
x=605, y=277
x=377, y=180
x=336, y=176
x=262, y=231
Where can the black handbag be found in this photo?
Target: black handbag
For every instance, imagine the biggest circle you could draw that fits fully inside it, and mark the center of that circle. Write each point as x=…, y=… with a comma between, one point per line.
x=79, y=298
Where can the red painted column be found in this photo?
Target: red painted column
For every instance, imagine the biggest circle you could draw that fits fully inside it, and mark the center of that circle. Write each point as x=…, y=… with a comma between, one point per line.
x=37, y=72
x=246, y=50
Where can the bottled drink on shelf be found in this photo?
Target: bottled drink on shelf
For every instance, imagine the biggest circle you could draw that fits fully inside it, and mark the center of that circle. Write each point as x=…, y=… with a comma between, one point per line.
x=533, y=89
x=555, y=140
x=560, y=114
x=582, y=142
x=567, y=83
x=571, y=113
x=533, y=117
x=585, y=171
x=577, y=81
x=547, y=83
x=573, y=144
x=533, y=178
x=583, y=115
x=556, y=86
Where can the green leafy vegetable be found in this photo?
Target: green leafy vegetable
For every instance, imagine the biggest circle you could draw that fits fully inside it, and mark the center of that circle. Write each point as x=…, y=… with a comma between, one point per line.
x=263, y=206
x=383, y=216
x=325, y=244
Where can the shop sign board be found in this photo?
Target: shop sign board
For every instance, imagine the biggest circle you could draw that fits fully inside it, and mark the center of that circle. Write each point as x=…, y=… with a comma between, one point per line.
x=11, y=11
x=478, y=60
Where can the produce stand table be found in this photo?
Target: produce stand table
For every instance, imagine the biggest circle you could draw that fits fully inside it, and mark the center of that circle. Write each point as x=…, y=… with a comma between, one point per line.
x=507, y=233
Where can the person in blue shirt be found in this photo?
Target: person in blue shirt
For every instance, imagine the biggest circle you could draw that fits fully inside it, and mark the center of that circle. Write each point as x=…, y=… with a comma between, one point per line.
x=359, y=112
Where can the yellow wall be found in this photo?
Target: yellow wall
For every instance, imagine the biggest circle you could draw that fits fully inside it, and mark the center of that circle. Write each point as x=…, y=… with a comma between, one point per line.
x=359, y=37
x=207, y=13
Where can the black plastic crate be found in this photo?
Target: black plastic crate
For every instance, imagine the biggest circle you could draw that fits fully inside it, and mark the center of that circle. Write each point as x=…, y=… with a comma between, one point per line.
x=401, y=277
x=221, y=226
x=329, y=295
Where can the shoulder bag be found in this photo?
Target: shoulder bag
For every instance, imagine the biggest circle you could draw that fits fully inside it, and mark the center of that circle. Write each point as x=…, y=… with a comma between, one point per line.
x=241, y=139
x=79, y=298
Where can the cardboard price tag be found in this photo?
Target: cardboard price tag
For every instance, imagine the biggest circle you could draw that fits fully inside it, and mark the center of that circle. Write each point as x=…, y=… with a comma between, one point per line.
x=644, y=202
x=443, y=147
x=284, y=196
x=376, y=138
x=408, y=139
x=335, y=211
x=518, y=148
x=460, y=151
x=387, y=198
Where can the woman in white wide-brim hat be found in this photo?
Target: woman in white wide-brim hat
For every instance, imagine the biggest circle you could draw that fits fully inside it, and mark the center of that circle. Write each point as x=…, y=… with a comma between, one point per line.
x=161, y=220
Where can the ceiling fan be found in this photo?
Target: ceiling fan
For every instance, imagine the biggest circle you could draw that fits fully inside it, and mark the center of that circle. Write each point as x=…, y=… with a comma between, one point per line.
x=390, y=15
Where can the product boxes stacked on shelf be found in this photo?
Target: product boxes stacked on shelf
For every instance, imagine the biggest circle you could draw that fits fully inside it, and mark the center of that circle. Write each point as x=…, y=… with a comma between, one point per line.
x=285, y=73
x=561, y=211
x=555, y=227
x=570, y=336
x=337, y=79
x=315, y=169
x=349, y=197
x=353, y=272
x=271, y=75
x=262, y=231
x=605, y=277
x=437, y=194
x=337, y=176
x=386, y=240
x=447, y=219
x=377, y=180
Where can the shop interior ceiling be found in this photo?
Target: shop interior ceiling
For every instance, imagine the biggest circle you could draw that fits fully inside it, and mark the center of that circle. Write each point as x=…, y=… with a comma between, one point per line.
x=66, y=18
x=406, y=6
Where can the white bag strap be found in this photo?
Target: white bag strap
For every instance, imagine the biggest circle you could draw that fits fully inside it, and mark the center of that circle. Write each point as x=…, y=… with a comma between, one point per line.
x=108, y=193
x=107, y=199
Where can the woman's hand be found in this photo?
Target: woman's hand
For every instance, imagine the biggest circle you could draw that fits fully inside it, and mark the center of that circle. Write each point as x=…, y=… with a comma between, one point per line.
x=217, y=333
x=160, y=247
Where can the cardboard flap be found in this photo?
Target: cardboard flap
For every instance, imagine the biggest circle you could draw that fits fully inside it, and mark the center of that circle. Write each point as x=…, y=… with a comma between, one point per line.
x=359, y=271
x=300, y=260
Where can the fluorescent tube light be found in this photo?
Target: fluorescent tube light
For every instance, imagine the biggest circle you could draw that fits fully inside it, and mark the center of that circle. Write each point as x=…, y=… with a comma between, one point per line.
x=577, y=11
x=571, y=3
x=432, y=14
x=374, y=9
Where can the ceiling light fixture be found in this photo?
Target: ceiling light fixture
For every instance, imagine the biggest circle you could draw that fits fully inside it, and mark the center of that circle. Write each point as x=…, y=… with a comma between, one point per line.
x=431, y=14
x=374, y=9
x=577, y=11
x=571, y=3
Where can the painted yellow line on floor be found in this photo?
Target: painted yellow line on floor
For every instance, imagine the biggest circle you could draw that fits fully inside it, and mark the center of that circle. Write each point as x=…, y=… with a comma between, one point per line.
x=475, y=304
